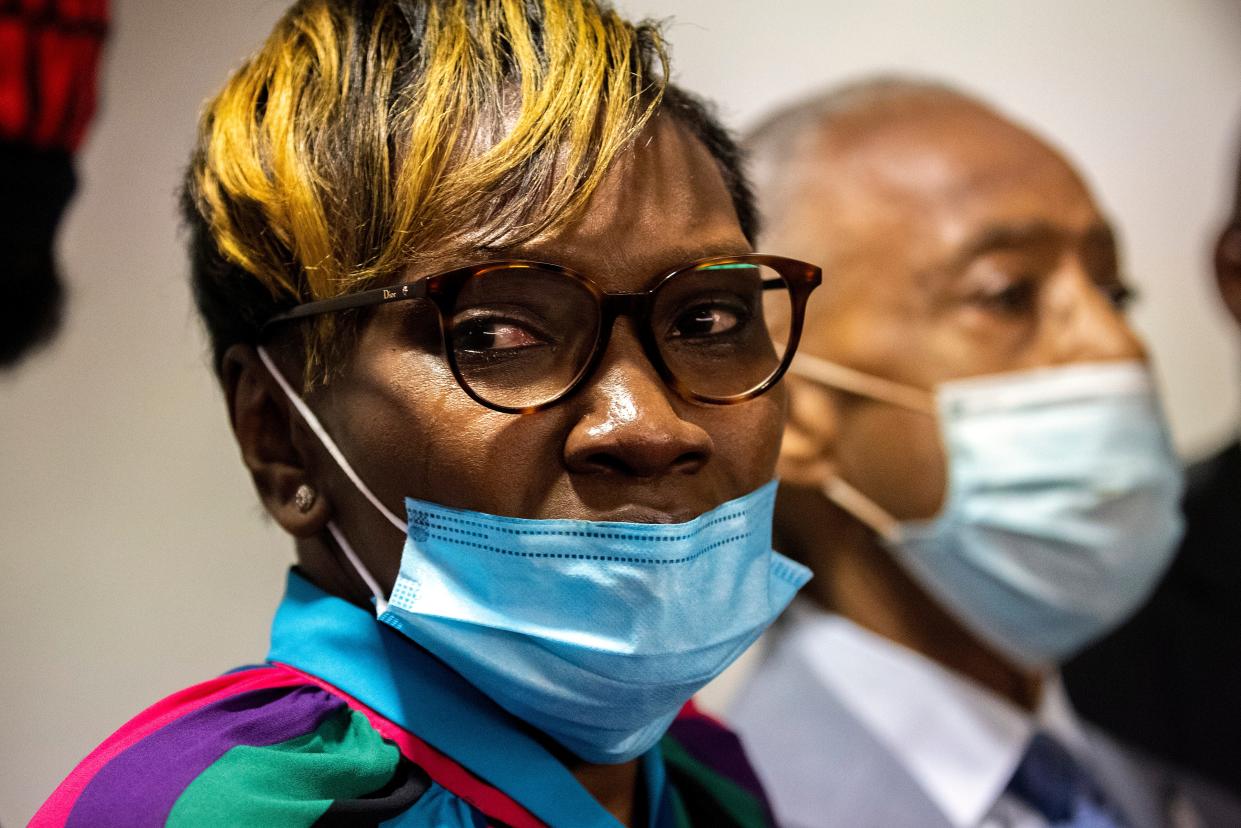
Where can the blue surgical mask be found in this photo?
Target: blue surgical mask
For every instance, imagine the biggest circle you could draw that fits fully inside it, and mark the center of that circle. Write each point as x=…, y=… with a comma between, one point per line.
x=596, y=633
x=1062, y=506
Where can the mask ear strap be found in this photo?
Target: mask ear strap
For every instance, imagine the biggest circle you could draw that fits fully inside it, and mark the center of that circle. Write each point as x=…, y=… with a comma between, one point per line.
x=863, y=508
x=834, y=375
x=326, y=439
x=839, y=376
x=381, y=603
x=328, y=443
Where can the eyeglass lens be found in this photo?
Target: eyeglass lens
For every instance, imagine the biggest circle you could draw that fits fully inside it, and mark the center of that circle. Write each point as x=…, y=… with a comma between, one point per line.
x=522, y=336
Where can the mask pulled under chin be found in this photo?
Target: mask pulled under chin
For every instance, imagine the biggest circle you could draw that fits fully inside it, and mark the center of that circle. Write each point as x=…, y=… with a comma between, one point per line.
x=596, y=633
x=1062, y=509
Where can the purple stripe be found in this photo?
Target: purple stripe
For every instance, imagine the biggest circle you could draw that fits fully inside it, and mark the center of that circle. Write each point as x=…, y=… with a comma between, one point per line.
x=140, y=786
x=720, y=750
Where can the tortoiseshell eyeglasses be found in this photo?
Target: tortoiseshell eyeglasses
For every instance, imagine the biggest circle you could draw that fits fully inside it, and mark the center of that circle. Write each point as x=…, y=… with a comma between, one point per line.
x=521, y=336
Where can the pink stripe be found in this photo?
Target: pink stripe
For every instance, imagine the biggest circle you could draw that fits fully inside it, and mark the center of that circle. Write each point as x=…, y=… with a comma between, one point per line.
x=493, y=802
x=56, y=809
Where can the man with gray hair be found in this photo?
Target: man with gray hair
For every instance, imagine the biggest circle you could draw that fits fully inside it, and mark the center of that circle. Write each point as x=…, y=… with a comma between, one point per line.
x=976, y=467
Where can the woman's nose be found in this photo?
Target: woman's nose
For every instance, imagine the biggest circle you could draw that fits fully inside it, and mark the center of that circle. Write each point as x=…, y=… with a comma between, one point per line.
x=629, y=423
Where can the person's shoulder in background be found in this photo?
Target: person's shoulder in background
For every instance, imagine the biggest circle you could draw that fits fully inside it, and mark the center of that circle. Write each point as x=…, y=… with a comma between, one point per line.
x=1211, y=499
x=1180, y=655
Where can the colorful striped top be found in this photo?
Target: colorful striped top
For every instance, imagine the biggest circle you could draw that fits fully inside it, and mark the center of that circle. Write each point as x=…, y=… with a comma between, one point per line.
x=349, y=723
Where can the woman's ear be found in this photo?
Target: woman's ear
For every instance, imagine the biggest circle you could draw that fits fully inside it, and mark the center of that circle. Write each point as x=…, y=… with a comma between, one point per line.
x=808, y=453
x=264, y=422
x=1228, y=268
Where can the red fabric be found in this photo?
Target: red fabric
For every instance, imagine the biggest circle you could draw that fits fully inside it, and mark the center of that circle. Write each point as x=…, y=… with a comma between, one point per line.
x=692, y=711
x=13, y=103
x=49, y=60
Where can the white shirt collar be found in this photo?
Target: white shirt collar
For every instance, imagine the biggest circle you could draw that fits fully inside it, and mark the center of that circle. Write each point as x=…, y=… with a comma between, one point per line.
x=959, y=741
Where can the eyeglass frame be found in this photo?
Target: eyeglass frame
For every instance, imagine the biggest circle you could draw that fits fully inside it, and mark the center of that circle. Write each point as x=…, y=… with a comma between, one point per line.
x=442, y=290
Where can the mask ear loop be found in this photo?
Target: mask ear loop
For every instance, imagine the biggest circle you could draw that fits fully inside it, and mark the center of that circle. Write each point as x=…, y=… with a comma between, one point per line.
x=856, y=382
x=863, y=508
x=835, y=489
x=381, y=603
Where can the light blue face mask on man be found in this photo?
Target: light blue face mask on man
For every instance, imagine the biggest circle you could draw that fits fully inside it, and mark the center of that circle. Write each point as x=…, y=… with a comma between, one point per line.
x=1062, y=508
x=595, y=633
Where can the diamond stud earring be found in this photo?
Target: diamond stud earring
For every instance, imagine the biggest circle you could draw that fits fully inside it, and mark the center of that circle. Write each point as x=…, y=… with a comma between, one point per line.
x=304, y=498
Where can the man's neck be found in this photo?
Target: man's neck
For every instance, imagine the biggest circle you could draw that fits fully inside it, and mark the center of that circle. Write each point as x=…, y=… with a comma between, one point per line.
x=858, y=579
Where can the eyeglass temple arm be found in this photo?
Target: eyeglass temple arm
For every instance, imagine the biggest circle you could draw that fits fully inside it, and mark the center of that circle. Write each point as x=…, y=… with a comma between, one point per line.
x=376, y=296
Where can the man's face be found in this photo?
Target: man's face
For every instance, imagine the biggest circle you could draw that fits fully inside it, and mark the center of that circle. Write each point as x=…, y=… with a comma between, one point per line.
x=624, y=447
x=953, y=245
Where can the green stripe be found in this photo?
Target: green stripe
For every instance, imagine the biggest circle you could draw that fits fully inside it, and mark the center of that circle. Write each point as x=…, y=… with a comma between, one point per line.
x=291, y=783
x=693, y=777
x=678, y=810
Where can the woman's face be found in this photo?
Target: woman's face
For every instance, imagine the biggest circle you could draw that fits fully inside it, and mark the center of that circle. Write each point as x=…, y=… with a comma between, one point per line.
x=623, y=447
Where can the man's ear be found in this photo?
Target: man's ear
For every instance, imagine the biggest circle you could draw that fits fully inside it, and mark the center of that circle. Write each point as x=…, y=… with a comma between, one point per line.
x=1228, y=268
x=808, y=453
x=263, y=422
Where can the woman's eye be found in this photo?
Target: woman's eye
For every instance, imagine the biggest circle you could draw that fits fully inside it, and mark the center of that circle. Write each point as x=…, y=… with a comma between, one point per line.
x=706, y=320
x=480, y=335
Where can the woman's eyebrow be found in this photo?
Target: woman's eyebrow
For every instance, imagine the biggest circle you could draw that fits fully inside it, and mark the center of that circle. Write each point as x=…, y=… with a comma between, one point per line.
x=658, y=262
x=704, y=251
x=634, y=262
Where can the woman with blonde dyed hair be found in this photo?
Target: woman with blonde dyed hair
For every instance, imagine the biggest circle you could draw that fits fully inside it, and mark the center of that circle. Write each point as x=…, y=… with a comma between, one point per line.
x=499, y=357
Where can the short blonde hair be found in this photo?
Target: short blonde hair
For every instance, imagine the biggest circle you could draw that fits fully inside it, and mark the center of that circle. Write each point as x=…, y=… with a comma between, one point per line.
x=364, y=136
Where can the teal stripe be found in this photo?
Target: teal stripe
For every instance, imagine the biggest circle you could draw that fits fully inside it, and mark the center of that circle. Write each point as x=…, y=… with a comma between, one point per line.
x=290, y=783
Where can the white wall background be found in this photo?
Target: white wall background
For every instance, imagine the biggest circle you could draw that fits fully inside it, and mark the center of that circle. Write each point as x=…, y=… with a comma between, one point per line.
x=134, y=559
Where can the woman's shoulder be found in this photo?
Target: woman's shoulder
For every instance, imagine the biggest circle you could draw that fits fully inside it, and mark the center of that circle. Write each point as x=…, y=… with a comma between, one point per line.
x=262, y=745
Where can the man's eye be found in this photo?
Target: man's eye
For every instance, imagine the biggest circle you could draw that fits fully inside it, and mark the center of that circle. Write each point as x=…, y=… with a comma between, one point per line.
x=707, y=320
x=481, y=335
x=1120, y=295
x=1013, y=299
